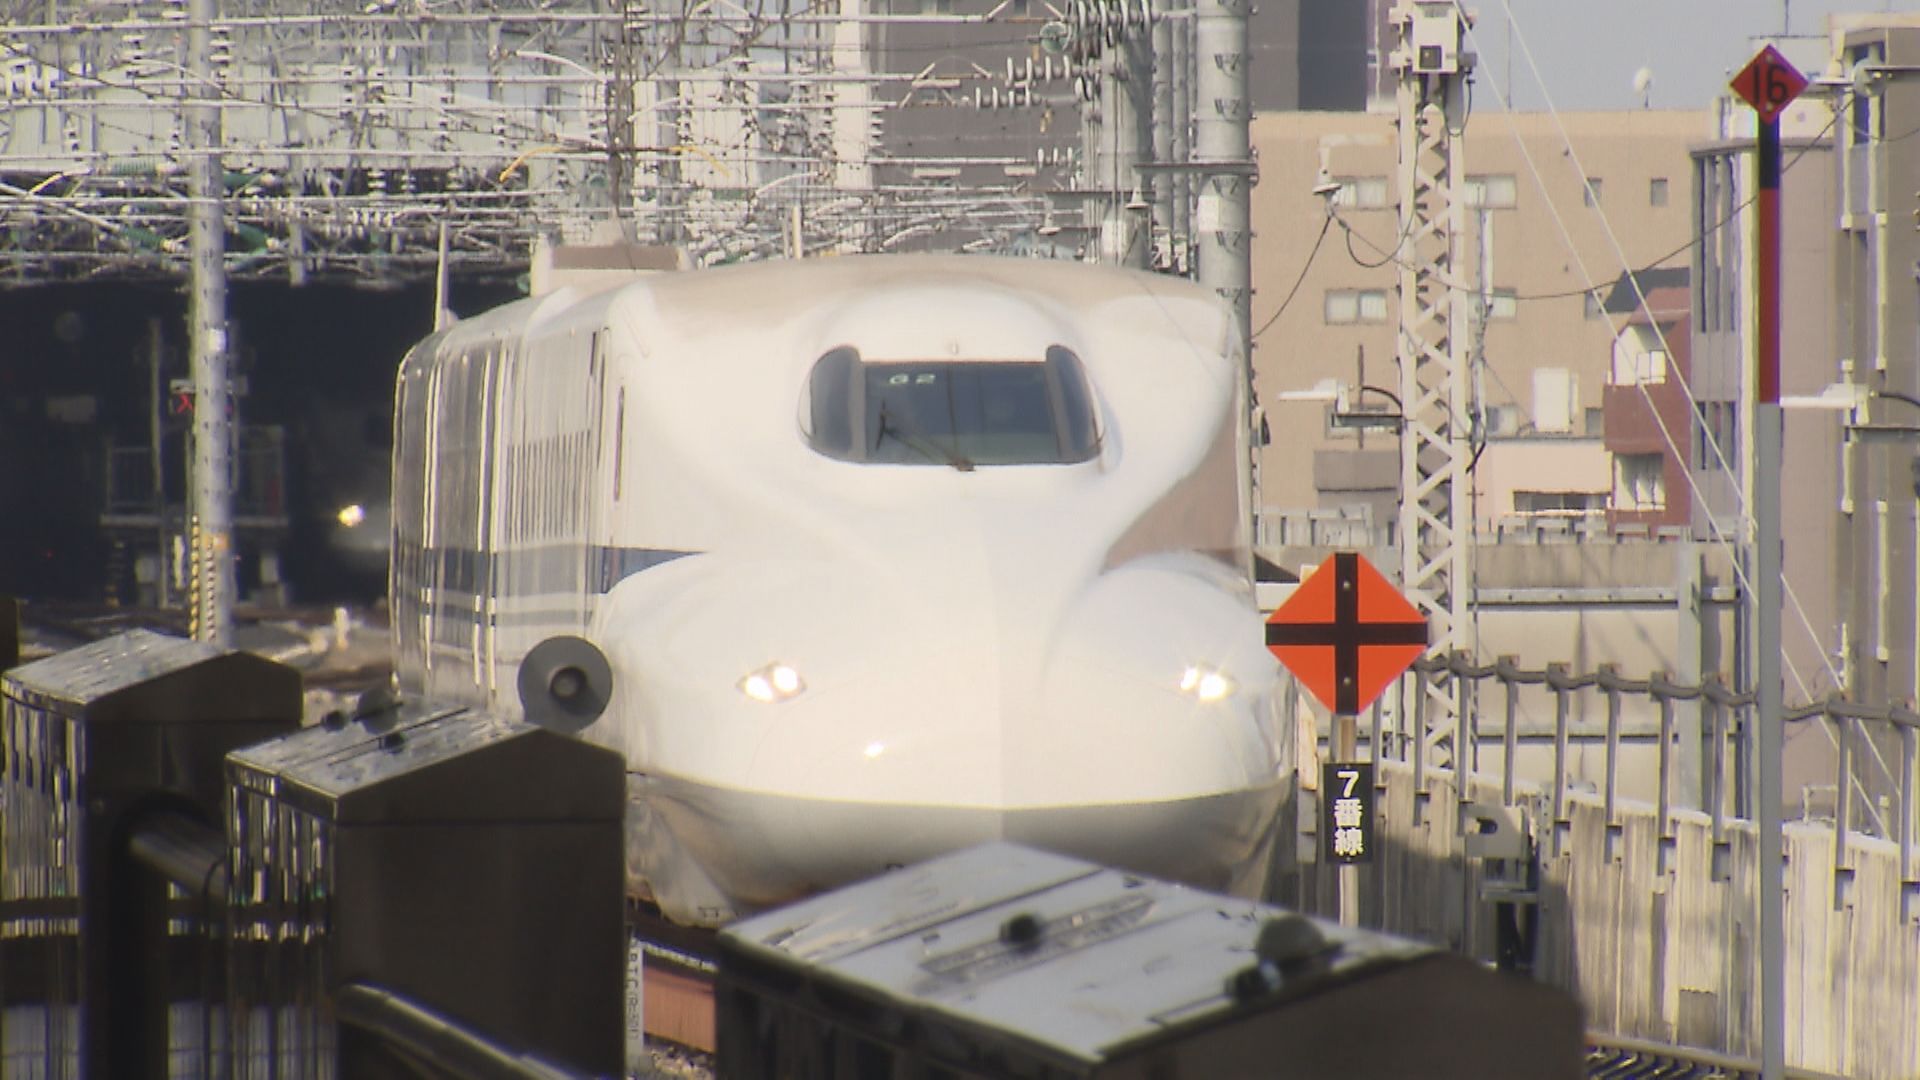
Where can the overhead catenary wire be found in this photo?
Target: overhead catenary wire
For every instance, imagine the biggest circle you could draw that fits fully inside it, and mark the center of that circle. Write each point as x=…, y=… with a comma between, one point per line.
x=1666, y=435
x=393, y=129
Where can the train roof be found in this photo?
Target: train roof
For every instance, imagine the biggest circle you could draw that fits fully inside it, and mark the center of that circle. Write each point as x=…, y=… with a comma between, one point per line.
x=1086, y=964
x=778, y=283
x=989, y=300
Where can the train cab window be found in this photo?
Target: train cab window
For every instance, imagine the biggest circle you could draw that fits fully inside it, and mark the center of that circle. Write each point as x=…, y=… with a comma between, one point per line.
x=951, y=412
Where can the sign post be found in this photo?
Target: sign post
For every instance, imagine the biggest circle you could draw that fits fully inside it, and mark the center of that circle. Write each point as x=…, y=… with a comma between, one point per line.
x=1769, y=83
x=1346, y=633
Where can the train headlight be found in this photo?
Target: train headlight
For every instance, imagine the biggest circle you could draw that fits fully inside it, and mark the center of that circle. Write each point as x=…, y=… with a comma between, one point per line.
x=773, y=683
x=1207, y=684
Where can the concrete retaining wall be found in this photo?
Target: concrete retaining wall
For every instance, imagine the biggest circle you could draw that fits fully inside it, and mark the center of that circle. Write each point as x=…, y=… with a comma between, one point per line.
x=1667, y=955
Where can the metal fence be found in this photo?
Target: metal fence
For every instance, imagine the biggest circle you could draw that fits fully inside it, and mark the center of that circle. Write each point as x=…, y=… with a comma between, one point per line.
x=1610, y=1057
x=259, y=489
x=1875, y=768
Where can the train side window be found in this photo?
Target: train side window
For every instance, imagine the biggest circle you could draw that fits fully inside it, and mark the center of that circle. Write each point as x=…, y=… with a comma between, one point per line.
x=830, y=411
x=1073, y=404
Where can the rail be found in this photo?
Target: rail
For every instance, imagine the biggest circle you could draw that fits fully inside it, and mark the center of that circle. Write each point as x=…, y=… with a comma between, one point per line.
x=424, y=1035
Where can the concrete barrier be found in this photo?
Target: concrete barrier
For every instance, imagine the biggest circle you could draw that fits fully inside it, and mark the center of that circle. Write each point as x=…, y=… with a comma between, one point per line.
x=1662, y=949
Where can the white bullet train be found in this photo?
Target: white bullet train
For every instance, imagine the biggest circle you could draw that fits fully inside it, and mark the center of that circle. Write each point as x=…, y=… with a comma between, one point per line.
x=886, y=555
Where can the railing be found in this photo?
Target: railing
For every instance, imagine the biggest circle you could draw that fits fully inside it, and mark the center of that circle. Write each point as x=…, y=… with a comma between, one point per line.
x=1864, y=739
x=1356, y=528
x=259, y=469
x=1617, y=1058
x=1342, y=528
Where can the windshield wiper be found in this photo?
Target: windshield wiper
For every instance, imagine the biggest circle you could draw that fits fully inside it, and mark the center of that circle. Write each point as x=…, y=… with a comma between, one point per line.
x=925, y=447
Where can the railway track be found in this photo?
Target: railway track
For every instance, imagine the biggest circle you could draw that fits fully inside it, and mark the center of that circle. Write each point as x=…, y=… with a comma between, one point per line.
x=677, y=973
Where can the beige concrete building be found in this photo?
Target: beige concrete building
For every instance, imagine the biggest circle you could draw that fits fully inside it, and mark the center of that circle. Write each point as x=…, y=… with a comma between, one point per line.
x=1876, y=301
x=1558, y=221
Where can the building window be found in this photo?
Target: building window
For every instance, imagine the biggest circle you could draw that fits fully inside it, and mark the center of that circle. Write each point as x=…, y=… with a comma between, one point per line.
x=1559, y=503
x=1592, y=193
x=1494, y=191
x=1864, y=120
x=1503, y=421
x=1556, y=400
x=1716, y=427
x=1356, y=306
x=1634, y=366
x=1657, y=191
x=1639, y=482
x=1361, y=193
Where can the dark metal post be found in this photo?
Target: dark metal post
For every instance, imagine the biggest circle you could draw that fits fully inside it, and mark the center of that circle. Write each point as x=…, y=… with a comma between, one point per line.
x=1664, y=810
x=1509, y=739
x=1610, y=686
x=1767, y=590
x=156, y=418
x=1556, y=678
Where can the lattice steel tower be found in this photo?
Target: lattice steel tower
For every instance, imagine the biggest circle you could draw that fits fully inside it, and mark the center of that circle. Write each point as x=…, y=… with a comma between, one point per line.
x=1434, y=346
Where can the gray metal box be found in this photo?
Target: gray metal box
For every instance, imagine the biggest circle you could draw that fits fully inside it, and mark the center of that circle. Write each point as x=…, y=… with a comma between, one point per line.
x=467, y=861
x=89, y=740
x=1003, y=961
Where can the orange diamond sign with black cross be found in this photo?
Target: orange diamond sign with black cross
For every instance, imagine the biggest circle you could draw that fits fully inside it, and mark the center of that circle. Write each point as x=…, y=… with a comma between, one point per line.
x=1346, y=633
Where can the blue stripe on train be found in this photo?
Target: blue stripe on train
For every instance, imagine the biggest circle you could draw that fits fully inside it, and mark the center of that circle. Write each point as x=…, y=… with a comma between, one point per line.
x=553, y=568
x=616, y=564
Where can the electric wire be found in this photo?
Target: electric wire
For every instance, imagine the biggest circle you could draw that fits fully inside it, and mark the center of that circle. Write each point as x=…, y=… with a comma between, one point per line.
x=1567, y=238
x=1298, y=281
x=1666, y=435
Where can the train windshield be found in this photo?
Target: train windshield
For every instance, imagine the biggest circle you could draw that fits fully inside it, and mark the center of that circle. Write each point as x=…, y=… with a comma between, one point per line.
x=959, y=413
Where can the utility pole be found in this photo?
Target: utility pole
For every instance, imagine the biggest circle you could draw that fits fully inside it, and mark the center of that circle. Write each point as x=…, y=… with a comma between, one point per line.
x=1163, y=80
x=670, y=104
x=1769, y=83
x=852, y=106
x=212, y=588
x=1182, y=220
x=1223, y=157
x=1434, y=344
x=1125, y=110
x=629, y=44
x=1111, y=43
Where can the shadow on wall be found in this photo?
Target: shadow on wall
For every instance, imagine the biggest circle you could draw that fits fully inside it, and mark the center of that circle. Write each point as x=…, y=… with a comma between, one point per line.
x=1421, y=885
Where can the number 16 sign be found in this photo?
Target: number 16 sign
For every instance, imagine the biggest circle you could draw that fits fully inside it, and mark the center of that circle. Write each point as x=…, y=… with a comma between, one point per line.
x=1769, y=83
